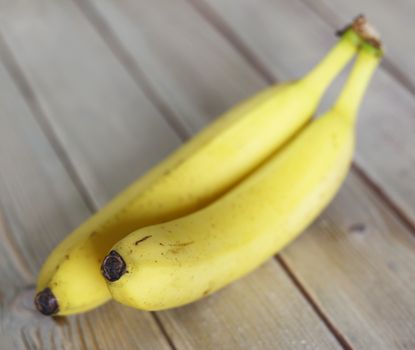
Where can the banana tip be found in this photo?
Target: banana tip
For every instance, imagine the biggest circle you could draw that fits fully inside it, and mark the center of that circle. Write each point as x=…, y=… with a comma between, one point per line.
x=365, y=30
x=113, y=266
x=46, y=302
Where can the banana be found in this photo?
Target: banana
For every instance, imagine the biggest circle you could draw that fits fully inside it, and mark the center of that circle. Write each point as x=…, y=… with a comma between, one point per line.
x=175, y=263
x=196, y=174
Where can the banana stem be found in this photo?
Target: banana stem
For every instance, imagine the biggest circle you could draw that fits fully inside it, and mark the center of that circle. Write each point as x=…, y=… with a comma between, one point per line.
x=319, y=78
x=365, y=31
x=351, y=96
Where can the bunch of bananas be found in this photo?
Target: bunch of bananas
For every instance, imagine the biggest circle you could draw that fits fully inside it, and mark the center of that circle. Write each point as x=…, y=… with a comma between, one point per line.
x=224, y=202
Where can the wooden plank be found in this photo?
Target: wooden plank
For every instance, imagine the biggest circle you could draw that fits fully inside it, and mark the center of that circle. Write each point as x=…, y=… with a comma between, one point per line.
x=182, y=57
x=83, y=89
x=359, y=318
x=40, y=205
x=358, y=263
x=385, y=134
x=86, y=147
x=261, y=311
x=30, y=171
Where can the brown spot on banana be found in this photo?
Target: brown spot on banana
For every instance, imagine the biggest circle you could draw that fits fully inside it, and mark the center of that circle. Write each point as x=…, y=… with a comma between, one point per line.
x=142, y=239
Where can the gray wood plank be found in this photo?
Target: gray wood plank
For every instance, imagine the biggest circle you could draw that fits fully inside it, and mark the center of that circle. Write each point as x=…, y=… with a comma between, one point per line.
x=40, y=205
x=109, y=327
x=358, y=262
x=181, y=56
x=386, y=129
x=261, y=311
x=86, y=147
x=85, y=94
x=263, y=28
x=38, y=200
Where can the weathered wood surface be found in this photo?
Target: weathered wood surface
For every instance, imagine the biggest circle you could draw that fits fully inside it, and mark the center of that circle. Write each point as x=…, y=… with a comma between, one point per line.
x=106, y=89
x=81, y=139
x=40, y=205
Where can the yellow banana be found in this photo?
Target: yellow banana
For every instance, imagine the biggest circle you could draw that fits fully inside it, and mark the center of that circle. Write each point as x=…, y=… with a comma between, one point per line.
x=175, y=263
x=197, y=173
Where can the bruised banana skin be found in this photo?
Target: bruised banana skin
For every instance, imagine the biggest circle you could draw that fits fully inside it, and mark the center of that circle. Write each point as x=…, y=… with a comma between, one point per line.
x=175, y=263
x=196, y=174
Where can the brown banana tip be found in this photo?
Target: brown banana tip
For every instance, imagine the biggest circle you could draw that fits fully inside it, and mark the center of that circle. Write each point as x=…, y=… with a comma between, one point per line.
x=46, y=303
x=365, y=30
x=113, y=266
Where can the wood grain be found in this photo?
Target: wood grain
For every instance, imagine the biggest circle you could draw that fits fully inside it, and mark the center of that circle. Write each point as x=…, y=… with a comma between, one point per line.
x=356, y=262
x=40, y=205
x=30, y=171
x=182, y=64
x=261, y=311
x=79, y=82
x=262, y=29
x=100, y=94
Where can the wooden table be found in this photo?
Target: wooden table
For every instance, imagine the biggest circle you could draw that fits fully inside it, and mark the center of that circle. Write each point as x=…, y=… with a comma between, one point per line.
x=94, y=92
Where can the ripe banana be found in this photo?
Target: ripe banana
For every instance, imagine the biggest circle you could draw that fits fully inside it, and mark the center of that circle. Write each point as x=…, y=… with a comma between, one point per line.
x=175, y=263
x=192, y=177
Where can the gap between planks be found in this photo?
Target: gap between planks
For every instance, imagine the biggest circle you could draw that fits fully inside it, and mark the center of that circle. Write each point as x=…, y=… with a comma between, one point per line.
x=383, y=197
x=12, y=66
x=233, y=39
x=163, y=330
x=20, y=262
x=128, y=63
x=317, y=309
